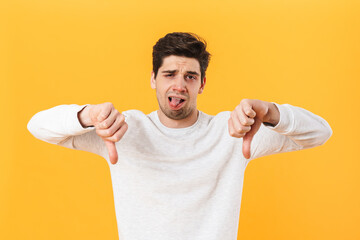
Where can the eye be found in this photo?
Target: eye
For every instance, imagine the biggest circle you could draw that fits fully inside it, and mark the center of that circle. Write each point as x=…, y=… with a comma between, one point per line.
x=191, y=77
x=169, y=75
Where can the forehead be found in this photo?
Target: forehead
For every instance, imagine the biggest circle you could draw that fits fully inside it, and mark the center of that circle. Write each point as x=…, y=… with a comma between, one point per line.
x=179, y=62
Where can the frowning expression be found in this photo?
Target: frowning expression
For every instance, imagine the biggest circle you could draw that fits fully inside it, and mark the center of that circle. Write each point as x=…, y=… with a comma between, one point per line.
x=177, y=85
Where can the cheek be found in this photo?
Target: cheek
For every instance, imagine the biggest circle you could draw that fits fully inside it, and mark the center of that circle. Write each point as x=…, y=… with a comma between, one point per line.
x=161, y=92
x=193, y=96
x=162, y=87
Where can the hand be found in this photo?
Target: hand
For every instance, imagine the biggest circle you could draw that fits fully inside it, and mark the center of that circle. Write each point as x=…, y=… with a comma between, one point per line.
x=110, y=125
x=246, y=119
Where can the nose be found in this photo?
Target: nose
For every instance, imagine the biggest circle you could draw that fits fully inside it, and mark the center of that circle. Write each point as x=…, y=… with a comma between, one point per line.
x=179, y=84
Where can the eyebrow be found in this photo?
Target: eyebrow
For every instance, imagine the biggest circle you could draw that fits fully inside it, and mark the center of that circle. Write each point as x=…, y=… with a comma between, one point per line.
x=173, y=71
x=194, y=73
x=169, y=71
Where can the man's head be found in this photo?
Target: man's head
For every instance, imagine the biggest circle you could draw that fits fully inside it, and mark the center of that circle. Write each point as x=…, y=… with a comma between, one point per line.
x=179, y=64
x=181, y=44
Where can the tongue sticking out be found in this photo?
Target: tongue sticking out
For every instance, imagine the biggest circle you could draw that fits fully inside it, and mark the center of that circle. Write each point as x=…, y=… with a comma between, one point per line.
x=174, y=102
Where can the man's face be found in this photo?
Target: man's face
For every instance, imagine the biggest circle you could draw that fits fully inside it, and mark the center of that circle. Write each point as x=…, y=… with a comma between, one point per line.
x=177, y=85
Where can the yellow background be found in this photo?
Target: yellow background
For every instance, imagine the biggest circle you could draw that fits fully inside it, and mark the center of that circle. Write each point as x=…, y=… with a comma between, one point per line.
x=305, y=53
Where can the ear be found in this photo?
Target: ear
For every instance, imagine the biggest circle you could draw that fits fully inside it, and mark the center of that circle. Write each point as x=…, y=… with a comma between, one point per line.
x=153, y=80
x=201, y=89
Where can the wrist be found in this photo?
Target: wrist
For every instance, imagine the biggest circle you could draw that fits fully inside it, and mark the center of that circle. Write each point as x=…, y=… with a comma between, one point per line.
x=83, y=117
x=273, y=115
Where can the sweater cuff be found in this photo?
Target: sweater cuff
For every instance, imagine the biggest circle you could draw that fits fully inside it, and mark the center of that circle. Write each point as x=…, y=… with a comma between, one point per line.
x=73, y=125
x=286, y=121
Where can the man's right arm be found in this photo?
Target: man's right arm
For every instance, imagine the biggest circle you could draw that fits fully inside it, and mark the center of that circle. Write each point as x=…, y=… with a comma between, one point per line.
x=81, y=127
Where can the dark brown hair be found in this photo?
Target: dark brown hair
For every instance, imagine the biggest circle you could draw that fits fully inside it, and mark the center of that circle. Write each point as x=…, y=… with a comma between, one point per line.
x=181, y=44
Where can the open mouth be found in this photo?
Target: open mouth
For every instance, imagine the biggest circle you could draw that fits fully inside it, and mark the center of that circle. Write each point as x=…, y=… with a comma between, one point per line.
x=175, y=102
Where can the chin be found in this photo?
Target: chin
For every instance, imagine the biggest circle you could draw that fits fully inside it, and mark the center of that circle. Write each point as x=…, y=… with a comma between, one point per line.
x=177, y=114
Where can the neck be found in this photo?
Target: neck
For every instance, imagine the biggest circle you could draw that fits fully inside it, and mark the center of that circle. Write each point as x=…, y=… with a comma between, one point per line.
x=181, y=123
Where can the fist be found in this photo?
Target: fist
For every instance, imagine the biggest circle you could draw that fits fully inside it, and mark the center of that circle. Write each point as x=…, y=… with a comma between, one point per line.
x=109, y=123
x=245, y=121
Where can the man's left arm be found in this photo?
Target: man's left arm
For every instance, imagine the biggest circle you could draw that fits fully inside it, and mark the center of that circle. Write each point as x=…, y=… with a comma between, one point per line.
x=286, y=127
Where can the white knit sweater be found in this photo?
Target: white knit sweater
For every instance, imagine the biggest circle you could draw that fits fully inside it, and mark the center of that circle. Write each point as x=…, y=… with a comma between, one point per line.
x=180, y=184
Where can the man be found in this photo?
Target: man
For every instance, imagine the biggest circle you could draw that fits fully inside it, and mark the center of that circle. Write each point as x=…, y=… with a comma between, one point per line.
x=177, y=173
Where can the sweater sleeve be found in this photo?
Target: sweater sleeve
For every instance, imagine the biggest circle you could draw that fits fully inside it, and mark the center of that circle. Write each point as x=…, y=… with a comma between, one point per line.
x=297, y=129
x=60, y=125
